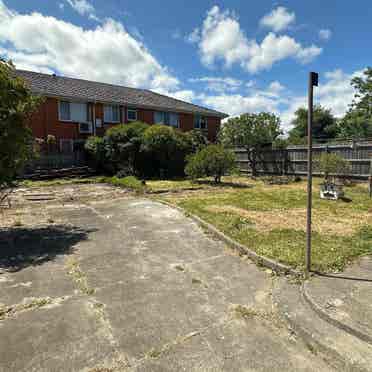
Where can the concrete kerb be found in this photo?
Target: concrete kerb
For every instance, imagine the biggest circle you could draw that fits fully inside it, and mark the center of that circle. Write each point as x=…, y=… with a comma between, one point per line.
x=260, y=260
x=323, y=315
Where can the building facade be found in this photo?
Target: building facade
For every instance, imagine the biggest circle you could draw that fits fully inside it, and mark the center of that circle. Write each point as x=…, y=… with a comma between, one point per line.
x=75, y=109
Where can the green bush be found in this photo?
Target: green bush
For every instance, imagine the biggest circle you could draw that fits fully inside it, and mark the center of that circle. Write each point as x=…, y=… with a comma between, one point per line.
x=94, y=146
x=129, y=182
x=331, y=165
x=197, y=140
x=165, y=151
x=211, y=161
x=122, y=147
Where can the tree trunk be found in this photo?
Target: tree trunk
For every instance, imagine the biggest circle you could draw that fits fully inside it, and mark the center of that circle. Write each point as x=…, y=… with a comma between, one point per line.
x=252, y=161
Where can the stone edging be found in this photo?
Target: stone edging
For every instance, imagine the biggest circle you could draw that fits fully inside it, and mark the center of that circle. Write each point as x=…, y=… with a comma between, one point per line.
x=323, y=315
x=261, y=260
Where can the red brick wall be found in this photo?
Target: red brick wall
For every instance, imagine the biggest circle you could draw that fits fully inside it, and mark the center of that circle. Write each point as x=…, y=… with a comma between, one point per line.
x=45, y=121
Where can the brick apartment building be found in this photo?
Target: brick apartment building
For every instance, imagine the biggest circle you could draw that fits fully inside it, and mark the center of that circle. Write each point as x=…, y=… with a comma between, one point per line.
x=75, y=109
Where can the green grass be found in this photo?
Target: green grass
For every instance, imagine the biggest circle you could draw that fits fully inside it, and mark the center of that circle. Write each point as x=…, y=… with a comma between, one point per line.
x=332, y=251
x=129, y=182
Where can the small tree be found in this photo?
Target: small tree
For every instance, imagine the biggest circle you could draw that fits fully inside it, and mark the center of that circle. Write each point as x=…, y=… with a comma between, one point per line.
x=16, y=105
x=331, y=165
x=95, y=148
x=121, y=146
x=165, y=149
x=251, y=131
x=212, y=161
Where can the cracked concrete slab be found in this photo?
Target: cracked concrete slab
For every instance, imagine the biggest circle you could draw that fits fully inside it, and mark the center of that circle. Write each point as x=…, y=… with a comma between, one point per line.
x=149, y=291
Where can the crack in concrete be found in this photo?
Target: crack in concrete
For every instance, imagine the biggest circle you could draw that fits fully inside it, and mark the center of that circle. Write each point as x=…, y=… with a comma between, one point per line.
x=30, y=303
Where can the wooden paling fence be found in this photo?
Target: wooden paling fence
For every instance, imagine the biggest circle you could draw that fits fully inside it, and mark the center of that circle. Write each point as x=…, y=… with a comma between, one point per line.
x=293, y=159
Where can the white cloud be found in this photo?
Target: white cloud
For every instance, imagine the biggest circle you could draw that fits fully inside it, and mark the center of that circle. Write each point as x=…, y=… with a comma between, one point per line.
x=194, y=36
x=275, y=48
x=236, y=104
x=278, y=19
x=325, y=34
x=218, y=84
x=83, y=7
x=221, y=38
x=334, y=93
x=43, y=43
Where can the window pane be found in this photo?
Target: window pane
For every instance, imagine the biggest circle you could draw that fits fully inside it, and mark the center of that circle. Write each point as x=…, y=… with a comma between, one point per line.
x=107, y=113
x=173, y=119
x=159, y=117
x=197, y=121
x=132, y=115
x=203, y=122
x=78, y=112
x=64, y=110
x=115, y=113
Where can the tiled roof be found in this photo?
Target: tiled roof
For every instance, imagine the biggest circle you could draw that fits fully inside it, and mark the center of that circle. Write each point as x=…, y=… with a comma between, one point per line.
x=65, y=87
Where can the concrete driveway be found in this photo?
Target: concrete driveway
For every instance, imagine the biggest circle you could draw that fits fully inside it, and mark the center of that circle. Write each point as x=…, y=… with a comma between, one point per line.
x=133, y=285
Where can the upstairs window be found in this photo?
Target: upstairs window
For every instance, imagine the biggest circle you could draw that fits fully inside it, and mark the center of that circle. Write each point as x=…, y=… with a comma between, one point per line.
x=132, y=114
x=200, y=122
x=111, y=114
x=167, y=118
x=73, y=111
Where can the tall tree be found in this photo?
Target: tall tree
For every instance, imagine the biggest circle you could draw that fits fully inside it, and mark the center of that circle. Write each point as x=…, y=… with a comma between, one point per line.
x=324, y=125
x=363, y=96
x=357, y=122
x=16, y=104
x=251, y=131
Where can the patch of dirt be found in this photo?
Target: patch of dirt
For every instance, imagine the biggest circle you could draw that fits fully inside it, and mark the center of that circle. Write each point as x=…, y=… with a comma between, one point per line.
x=296, y=219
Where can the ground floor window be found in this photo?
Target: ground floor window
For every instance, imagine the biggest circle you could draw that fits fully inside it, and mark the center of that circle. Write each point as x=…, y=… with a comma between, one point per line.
x=167, y=118
x=111, y=114
x=200, y=122
x=73, y=111
x=131, y=114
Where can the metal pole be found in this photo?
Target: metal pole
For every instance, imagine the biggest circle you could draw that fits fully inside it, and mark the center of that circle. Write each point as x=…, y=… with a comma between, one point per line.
x=312, y=82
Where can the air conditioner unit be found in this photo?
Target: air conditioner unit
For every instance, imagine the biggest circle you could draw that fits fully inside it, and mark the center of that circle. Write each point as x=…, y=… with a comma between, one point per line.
x=85, y=127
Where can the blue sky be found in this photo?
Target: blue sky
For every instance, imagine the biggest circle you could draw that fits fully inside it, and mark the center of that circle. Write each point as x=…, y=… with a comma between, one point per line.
x=234, y=56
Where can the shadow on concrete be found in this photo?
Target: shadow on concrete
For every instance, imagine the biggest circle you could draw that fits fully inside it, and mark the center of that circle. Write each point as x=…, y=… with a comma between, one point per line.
x=23, y=247
x=342, y=277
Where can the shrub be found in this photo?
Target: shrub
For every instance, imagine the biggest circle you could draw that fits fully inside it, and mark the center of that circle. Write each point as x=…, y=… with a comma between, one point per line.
x=122, y=146
x=211, y=161
x=165, y=151
x=17, y=103
x=129, y=182
x=197, y=140
x=94, y=146
x=331, y=164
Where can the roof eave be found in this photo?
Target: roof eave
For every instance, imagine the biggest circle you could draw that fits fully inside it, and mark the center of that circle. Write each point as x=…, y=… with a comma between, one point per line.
x=150, y=107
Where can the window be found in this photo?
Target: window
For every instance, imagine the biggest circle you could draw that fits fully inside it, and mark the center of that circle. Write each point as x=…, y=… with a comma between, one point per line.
x=66, y=146
x=111, y=114
x=132, y=114
x=167, y=118
x=73, y=111
x=200, y=122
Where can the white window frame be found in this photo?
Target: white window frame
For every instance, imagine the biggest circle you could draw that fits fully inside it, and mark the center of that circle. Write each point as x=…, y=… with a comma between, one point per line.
x=59, y=111
x=72, y=120
x=166, y=118
x=198, y=120
x=111, y=121
x=132, y=110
